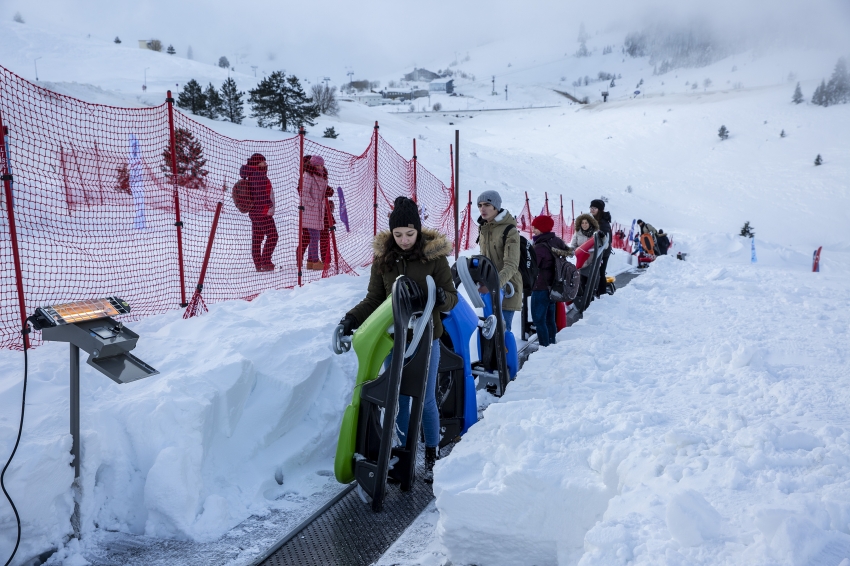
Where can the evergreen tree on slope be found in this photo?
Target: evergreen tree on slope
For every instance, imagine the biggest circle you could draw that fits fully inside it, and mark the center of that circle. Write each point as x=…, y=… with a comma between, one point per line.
x=798, y=95
x=280, y=101
x=215, y=105
x=192, y=98
x=232, y=103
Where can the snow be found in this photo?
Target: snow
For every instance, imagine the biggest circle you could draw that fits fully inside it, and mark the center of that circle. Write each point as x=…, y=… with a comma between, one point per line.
x=698, y=416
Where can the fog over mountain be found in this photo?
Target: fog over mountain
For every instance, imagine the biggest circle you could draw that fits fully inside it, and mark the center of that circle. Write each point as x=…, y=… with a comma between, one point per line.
x=381, y=36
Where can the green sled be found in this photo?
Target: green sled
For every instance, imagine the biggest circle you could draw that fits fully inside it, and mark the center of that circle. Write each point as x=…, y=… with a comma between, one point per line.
x=372, y=344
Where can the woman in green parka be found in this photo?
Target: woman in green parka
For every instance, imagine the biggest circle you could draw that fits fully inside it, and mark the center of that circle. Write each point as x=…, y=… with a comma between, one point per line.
x=408, y=249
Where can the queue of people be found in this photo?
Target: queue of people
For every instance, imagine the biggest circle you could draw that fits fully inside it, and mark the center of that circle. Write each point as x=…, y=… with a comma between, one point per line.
x=407, y=248
x=652, y=241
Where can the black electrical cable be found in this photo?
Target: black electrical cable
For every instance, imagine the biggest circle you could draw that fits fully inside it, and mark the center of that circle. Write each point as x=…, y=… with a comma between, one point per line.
x=12, y=455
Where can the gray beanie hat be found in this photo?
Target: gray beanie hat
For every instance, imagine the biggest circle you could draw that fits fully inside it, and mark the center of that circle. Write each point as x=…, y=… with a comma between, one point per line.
x=491, y=197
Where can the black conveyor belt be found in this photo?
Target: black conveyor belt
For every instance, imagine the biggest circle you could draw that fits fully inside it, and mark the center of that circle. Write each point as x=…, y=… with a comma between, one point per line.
x=348, y=532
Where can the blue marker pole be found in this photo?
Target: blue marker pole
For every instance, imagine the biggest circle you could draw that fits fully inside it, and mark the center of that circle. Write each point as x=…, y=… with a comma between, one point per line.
x=753, y=248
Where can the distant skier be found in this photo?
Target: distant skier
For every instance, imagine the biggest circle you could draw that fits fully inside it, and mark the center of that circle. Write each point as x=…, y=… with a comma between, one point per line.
x=546, y=244
x=663, y=242
x=586, y=225
x=500, y=245
x=597, y=209
x=408, y=249
x=261, y=213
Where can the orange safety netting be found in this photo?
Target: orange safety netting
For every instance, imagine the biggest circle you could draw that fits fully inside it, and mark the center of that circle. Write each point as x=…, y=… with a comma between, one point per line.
x=102, y=207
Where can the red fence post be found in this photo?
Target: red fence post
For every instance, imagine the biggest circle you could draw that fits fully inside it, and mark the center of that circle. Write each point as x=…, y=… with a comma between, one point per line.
x=375, y=187
x=563, y=224
x=300, y=257
x=468, y=219
x=456, y=183
x=177, y=222
x=197, y=302
x=13, y=233
x=414, y=171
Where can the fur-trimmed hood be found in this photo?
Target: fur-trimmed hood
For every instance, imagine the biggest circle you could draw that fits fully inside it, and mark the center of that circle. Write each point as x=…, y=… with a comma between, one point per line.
x=589, y=217
x=435, y=244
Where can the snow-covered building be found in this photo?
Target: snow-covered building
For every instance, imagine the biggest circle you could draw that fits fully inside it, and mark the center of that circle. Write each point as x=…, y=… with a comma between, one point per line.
x=442, y=85
x=423, y=75
x=369, y=98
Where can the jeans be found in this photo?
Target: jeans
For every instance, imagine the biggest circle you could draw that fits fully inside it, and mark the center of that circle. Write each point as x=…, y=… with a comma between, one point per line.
x=509, y=318
x=430, y=412
x=313, y=246
x=543, y=315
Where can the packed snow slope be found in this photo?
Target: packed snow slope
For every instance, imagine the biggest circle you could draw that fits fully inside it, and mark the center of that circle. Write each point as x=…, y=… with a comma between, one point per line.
x=698, y=416
x=692, y=416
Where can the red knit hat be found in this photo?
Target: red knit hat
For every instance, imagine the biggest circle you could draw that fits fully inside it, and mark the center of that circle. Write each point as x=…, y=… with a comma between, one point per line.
x=543, y=223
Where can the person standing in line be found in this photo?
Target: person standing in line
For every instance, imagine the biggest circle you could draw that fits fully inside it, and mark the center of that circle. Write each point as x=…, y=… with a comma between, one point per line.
x=498, y=239
x=314, y=187
x=597, y=209
x=409, y=249
x=546, y=245
x=663, y=242
x=585, y=226
x=263, y=229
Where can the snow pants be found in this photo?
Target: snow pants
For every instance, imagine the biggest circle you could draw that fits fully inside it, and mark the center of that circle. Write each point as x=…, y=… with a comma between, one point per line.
x=263, y=228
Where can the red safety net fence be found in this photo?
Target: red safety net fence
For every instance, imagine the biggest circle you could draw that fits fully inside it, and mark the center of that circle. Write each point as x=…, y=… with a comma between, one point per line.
x=139, y=203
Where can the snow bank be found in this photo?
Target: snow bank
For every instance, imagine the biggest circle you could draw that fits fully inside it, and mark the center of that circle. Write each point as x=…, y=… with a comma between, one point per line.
x=245, y=410
x=697, y=416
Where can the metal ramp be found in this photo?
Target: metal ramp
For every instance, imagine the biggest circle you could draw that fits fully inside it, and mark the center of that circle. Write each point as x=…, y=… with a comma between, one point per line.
x=346, y=532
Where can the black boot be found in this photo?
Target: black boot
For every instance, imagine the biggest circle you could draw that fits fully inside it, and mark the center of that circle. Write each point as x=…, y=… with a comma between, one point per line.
x=430, y=460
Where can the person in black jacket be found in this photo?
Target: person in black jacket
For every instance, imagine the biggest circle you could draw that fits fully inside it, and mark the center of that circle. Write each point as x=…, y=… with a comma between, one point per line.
x=597, y=209
x=663, y=242
x=546, y=244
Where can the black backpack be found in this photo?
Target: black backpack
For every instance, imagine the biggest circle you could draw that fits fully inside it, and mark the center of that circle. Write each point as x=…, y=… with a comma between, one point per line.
x=566, y=279
x=527, y=260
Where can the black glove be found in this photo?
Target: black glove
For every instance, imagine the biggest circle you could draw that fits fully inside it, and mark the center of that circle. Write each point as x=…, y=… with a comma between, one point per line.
x=348, y=325
x=441, y=297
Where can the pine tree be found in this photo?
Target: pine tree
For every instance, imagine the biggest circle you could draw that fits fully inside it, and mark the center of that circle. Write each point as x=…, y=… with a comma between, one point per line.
x=122, y=176
x=723, y=133
x=232, y=103
x=280, y=101
x=817, y=96
x=838, y=88
x=330, y=133
x=189, y=53
x=215, y=104
x=117, y=39
x=798, y=95
x=747, y=231
x=818, y=159
x=190, y=160
x=782, y=134
x=223, y=62
x=18, y=18
x=171, y=50
x=192, y=98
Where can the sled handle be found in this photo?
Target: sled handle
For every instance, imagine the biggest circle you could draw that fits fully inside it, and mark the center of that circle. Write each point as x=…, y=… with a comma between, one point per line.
x=424, y=319
x=509, y=290
x=340, y=344
x=468, y=283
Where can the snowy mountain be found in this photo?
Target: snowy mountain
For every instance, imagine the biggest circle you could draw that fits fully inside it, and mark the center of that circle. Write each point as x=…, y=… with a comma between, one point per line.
x=695, y=417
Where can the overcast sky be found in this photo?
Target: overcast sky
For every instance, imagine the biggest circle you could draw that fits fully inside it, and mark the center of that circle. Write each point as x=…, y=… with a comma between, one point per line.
x=377, y=37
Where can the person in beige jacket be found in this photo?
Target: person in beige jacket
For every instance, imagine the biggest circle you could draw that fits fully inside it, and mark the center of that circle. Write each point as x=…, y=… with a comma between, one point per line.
x=500, y=245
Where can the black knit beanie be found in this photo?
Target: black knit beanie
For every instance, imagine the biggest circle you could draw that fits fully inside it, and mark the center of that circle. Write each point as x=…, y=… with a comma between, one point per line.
x=598, y=203
x=405, y=214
